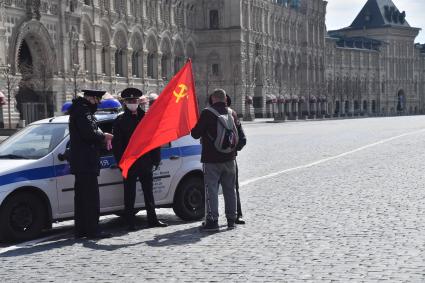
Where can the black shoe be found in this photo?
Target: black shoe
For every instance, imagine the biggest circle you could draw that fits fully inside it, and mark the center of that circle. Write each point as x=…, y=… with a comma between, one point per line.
x=210, y=226
x=230, y=224
x=100, y=235
x=239, y=220
x=157, y=223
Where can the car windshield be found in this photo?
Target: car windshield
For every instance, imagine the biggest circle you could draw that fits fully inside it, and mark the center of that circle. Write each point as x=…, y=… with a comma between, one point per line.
x=33, y=142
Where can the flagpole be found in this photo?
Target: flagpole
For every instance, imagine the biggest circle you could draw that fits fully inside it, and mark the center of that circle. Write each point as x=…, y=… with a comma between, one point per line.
x=189, y=60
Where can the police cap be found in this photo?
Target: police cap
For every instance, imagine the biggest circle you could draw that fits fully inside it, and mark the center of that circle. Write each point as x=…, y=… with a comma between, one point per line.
x=92, y=92
x=131, y=93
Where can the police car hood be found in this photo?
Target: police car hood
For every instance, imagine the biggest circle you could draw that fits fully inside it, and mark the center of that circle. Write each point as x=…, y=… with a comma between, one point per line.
x=13, y=165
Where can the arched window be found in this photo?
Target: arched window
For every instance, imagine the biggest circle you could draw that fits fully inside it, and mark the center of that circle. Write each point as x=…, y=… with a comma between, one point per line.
x=119, y=54
x=87, y=2
x=135, y=64
x=214, y=24
x=165, y=66
x=151, y=66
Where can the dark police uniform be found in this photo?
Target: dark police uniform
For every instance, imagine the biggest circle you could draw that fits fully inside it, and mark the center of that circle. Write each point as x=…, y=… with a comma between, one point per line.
x=123, y=128
x=86, y=140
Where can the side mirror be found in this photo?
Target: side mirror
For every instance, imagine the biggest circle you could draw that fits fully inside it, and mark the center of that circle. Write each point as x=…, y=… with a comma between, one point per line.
x=62, y=157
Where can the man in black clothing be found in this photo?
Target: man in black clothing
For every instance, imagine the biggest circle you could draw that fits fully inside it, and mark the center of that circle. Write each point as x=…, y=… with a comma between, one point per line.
x=84, y=157
x=123, y=128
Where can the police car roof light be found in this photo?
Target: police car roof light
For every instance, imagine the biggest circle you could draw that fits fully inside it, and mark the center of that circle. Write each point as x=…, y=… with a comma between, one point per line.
x=109, y=104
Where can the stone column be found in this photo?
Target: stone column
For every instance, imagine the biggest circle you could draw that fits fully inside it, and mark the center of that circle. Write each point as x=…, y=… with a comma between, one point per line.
x=130, y=63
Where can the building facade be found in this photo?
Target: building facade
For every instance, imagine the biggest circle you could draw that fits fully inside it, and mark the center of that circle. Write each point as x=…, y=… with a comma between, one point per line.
x=275, y=58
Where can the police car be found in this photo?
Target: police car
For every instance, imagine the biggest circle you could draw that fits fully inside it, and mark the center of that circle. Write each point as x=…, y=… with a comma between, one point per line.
x=36, y=187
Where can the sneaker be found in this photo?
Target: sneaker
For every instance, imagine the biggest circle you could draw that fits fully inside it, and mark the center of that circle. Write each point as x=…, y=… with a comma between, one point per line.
x=230, y=224
x=210, y=226
x=239, y=221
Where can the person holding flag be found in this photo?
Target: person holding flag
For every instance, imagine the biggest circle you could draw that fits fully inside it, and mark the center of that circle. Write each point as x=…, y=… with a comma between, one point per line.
x=141, y=170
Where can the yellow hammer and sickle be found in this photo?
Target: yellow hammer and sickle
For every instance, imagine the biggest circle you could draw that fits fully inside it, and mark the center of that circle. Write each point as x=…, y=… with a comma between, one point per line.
x=182, y=93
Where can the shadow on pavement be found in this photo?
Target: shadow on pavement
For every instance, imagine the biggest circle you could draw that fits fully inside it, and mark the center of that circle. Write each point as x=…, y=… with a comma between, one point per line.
x=181, y=237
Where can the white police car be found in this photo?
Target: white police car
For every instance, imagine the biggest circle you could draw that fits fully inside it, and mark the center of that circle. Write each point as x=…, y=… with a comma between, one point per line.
x=36, y=187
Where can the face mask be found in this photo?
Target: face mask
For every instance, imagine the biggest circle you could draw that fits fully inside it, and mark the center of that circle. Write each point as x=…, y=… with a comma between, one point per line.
x=132, y=106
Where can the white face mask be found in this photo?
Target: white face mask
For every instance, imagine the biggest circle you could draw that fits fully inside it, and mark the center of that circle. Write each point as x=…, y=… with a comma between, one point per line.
x=132, y=106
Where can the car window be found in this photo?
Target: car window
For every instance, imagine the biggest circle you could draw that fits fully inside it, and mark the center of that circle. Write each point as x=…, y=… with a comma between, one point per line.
x=34, y=141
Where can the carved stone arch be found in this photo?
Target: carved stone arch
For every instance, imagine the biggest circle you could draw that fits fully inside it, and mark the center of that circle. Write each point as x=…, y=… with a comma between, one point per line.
x=136, y=40
x=136, y=45
x=105, y=52
x=120, y=36
x=32, y=53
x=87, y=33
x=165, y=47
x=151, y=42
x=151, y=46
x=120, y=41
x=179, y=53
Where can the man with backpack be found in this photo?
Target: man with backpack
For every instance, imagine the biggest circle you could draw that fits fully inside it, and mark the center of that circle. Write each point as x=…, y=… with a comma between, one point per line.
x=241, y=144
x=219, y=138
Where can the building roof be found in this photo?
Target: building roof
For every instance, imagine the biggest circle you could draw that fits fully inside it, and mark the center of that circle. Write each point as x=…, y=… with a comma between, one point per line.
x=379, y=13
x=358, y=42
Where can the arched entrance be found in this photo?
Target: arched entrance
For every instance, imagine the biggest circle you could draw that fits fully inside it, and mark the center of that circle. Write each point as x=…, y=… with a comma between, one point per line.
x=401, y=102
x=34, y=59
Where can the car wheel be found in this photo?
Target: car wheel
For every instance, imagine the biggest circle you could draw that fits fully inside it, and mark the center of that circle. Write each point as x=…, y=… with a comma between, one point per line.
x=189, y=200
x=22, y=217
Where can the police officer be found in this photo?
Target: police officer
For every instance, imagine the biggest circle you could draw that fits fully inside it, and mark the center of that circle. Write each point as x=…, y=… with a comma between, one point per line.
x=84, y=157
x=123, y=128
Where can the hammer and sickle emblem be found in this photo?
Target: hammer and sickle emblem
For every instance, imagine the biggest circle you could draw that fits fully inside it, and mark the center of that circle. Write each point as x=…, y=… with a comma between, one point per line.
x=182, y=93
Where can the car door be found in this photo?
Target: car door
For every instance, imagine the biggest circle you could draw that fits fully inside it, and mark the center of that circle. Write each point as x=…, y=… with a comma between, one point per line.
x=171, y=161
x=111, y=188
x=64, y=181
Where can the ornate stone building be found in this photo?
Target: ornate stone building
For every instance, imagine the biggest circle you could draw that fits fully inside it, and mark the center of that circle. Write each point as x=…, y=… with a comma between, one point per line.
x=373, y=66
x=274, y=57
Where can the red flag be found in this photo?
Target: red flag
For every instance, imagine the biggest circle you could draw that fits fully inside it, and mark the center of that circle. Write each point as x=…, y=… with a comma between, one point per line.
x=173, y=114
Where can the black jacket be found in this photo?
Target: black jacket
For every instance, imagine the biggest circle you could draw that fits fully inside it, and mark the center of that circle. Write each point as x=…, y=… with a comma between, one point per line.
x=123, y=128
x=86, y=139
x=206, y=129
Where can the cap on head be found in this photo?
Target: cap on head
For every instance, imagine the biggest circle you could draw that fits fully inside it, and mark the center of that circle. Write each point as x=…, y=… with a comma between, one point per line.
x=131, y=93
x=95, y=93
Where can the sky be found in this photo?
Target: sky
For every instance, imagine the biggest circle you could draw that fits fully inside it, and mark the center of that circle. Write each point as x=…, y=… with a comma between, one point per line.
x=341, y=13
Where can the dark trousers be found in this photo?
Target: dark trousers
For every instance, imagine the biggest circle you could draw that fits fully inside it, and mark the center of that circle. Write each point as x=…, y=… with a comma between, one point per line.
x=146, y=180
x=238, y=199
x=86, y=204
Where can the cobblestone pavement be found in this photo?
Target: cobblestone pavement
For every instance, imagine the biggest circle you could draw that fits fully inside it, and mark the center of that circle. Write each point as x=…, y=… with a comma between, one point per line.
x=358, y=217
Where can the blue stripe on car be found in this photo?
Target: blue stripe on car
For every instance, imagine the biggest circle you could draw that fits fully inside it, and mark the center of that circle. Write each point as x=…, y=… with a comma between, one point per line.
x=106, y=162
